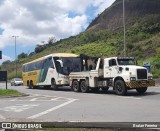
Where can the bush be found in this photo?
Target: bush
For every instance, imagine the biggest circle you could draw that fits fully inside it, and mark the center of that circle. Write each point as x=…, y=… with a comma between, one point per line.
x=13, y=75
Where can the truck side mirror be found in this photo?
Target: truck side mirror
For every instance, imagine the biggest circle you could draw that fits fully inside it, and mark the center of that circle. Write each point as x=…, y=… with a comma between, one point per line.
x=120, y=68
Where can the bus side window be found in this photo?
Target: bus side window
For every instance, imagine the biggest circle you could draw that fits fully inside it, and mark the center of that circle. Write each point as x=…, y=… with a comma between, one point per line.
x=48, y=63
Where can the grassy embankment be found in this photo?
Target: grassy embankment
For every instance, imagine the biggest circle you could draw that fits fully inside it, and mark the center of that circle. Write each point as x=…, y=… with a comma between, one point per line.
x=9, y=92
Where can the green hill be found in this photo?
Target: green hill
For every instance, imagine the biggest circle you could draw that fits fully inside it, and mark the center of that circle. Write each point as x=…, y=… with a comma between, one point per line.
x=104, y=36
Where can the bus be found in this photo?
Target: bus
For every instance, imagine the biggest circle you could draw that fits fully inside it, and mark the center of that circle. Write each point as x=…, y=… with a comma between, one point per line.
x=50, y=71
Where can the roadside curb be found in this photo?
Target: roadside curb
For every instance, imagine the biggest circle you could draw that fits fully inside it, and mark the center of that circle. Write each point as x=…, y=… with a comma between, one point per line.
x=22, y=95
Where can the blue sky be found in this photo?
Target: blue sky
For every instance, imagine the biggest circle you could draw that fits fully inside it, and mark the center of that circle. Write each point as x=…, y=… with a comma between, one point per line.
x=37, y=20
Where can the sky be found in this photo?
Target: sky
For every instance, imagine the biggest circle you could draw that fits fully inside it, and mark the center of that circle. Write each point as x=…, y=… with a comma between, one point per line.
x=34, y=21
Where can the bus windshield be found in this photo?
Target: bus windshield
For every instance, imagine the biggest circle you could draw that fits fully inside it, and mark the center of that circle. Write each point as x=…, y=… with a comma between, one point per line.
x=70, y=64
x=126, y=62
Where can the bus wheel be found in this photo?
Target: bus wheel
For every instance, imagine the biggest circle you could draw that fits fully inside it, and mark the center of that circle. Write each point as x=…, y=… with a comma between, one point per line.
x=120, y=88
x=31, y=85
x=84, y=87
x=141, y=90
x=53, y=84
x=75, y=86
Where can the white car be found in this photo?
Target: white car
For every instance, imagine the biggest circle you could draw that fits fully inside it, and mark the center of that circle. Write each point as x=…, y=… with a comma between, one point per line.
x=16, y=82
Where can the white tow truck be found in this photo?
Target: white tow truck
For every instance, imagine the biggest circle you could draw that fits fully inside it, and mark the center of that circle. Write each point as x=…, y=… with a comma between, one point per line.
x=121, y=73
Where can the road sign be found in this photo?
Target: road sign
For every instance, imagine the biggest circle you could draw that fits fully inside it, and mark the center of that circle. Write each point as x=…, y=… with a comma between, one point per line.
x=3, y=77
x=147, y=65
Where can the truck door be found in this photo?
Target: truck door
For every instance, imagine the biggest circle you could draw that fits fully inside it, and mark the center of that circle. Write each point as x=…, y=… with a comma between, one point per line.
x=107, y=72
x=110, y=68
x=113, y=69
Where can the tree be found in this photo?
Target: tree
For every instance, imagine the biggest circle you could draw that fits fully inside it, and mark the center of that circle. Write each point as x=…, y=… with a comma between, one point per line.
x=39, y=48
x=51, y=40
x=6, y=62
x=32, y=53
x=22, y=55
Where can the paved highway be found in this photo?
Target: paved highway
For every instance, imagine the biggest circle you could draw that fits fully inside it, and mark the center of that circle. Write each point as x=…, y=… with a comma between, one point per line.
x=43, y=105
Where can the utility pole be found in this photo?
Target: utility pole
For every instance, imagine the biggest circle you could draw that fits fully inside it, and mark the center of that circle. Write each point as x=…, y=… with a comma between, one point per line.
x=16, y=52
x=124, y=26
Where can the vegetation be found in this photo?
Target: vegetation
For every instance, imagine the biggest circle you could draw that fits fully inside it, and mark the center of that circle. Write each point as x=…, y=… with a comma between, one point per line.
x=142, y=38
x=22, y=55
x=9, y=92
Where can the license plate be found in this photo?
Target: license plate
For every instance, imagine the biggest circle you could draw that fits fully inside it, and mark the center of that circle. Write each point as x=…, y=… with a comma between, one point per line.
x=143, y=82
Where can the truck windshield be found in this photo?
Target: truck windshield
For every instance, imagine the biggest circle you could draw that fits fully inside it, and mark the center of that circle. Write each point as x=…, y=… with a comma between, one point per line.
x=70, y=64
x=126, y=62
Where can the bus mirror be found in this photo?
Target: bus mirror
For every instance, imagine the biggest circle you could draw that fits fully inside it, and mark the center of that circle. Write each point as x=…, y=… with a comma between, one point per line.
x=61, y=63
x=84, y=62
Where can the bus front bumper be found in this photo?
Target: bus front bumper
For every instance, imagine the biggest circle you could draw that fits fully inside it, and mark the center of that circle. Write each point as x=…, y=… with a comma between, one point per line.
x=140, y=84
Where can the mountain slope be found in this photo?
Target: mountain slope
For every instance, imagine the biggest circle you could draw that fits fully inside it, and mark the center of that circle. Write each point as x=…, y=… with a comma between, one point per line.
x=112, y=18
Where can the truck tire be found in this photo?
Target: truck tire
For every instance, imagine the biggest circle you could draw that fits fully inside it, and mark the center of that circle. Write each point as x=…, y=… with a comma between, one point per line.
x=75, y=86
x=53, y=84
x=141, y=90
x=84, y=87
x=120, y=88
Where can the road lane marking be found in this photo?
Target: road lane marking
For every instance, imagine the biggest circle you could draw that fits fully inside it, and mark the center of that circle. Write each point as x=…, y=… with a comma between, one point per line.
x=2, y=117
x=128, y=97
x=40, y=97
x=54, y=99
x=17, y=108
x=51, y=109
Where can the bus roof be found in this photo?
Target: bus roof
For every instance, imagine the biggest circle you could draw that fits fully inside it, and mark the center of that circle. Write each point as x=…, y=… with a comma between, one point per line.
x=54, y=55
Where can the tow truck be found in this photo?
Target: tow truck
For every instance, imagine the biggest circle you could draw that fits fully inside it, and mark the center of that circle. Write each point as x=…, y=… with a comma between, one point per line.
x=121, y=73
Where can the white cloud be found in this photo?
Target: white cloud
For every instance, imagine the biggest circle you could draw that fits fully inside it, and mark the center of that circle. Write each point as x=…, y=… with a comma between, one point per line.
x=35, y=21
x=102, y=5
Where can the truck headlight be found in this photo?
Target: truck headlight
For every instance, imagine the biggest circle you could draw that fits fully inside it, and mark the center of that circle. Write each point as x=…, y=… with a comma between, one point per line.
x=150, y=77
x=133, y=78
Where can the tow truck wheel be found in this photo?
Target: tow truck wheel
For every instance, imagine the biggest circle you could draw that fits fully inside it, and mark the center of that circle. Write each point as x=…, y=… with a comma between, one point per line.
x=75, y=86
x=141, y=90
x=53, y=84
x=84, y=87
x=120, y=88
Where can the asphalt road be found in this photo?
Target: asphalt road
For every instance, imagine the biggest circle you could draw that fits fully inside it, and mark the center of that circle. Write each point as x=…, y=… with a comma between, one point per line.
x=64, y=105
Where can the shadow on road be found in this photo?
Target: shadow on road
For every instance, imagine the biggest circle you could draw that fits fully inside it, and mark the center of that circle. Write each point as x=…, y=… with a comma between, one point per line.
x=100, y=92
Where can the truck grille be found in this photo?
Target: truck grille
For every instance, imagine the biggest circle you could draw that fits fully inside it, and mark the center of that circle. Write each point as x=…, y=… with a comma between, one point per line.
x=141, y=73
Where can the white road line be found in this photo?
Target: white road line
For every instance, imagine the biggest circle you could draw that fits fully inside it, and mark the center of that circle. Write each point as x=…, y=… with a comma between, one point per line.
x=127, y=97
x=54, y=99
x=34, y=99
x=2, y=117
x=52, y=109
x=48, y=96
